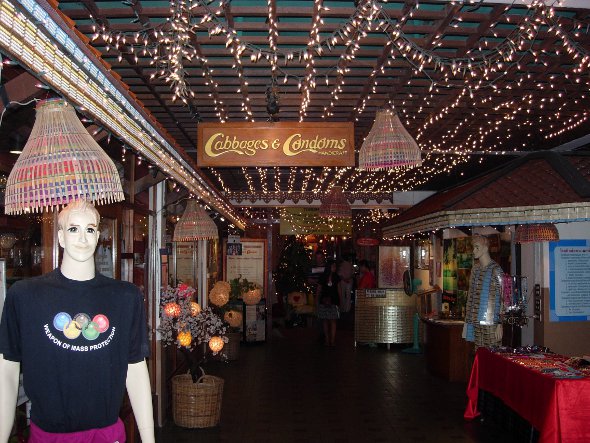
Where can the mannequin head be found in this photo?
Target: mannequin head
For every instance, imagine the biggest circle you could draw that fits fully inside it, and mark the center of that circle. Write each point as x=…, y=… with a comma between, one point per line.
x=480, y=249
x=78, y=235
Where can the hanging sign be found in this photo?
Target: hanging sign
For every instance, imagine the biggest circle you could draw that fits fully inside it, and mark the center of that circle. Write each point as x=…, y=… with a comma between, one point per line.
x=307, y=221
x=275, y=144
x=367, y=241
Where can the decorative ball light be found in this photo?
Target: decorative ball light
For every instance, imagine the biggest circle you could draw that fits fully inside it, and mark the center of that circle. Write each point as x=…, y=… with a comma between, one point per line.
x=195, y=308
x=389, y=145
x=219, y=294
x=8, y=240
x=536, y=232
x=335, y=204
x=185, y=338
x=252, y=296
x=172, y=309
x=216, y=344
x=233, y=318
x=195, y=224
x=60, y=162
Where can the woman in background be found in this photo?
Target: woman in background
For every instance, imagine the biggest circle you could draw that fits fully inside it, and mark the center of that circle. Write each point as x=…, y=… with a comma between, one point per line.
x=329, y=299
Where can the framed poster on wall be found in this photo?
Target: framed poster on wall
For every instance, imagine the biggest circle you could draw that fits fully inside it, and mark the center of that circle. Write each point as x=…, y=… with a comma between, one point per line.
x=569, y=278
x=185, y=263
x=250, y=264
x=105, y=257
x=2, y=283
x=393, y=261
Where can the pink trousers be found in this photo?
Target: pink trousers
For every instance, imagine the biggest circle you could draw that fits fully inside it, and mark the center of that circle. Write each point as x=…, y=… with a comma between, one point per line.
x=110, y=434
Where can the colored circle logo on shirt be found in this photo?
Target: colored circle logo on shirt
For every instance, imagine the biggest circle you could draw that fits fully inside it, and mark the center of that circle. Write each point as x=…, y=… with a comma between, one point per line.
x=82, y=319
x=81, y=324
x=102, y=321
x=61, y=320
x=72, y=330
x=90, y=331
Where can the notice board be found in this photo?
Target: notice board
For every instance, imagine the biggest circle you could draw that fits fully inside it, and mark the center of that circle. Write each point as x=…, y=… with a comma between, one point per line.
x=569, y=279
x=247, y=262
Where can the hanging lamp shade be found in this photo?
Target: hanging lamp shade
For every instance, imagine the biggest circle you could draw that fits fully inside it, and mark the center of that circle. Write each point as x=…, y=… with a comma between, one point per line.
x=536, y=233
x=61, y=162
x=195, y=224
x=335, y=205
x=388, y=144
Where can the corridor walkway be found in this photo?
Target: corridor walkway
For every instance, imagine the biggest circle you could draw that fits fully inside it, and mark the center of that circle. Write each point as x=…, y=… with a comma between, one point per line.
x=292, y=389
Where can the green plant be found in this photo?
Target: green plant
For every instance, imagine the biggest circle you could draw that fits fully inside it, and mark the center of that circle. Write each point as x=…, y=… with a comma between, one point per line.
x=240, y=285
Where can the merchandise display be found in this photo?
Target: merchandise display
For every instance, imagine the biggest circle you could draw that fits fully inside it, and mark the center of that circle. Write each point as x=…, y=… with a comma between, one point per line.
x=541, y=387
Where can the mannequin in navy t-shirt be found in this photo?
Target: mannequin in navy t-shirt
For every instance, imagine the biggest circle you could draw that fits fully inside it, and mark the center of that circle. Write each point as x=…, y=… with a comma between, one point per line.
x=105, y=342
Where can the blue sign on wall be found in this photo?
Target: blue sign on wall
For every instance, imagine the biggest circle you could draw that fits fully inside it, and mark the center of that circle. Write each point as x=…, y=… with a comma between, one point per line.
x=569, y=280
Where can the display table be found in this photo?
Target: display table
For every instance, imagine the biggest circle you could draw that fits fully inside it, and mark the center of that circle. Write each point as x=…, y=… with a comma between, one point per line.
x=445, y=351
x=384, y=316
x=558, y=407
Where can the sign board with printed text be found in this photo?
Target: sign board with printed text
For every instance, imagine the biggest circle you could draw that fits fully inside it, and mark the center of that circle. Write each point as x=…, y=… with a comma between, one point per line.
x=569, y=280
x=275, y=144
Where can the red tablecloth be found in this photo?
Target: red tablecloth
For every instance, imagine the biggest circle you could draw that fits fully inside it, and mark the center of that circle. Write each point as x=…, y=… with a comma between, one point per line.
x=558, y=408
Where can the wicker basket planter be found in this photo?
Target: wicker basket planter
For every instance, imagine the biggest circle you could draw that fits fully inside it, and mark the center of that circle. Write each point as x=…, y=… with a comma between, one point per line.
x=196, y=405
x=232, y=347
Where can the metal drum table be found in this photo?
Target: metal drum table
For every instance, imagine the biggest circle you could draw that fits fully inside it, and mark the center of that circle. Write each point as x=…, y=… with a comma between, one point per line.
x=384, y=316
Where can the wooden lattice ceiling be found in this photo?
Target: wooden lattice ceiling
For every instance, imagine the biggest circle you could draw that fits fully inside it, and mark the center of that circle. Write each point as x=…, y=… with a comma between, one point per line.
x=536, y=99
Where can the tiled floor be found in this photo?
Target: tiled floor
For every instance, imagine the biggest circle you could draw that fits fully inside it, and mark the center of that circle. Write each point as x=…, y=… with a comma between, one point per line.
x=292, y=389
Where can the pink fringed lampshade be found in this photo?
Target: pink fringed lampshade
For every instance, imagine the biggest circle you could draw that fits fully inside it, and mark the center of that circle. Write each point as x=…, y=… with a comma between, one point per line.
x=335, y=205
x=388, y=145
x=61, y=162
x=195, y=224
x=536, y=233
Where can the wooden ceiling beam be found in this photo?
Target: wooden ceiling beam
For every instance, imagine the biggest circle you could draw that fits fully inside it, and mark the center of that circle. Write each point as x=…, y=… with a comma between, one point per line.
x=20, y=89
x=93, y=9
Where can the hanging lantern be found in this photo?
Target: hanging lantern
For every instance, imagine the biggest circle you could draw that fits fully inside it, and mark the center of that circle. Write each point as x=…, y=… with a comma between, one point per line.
x=216, y=344
x=537, y=232
x=335, y=205
x=219, y=294
x=195, y=308
x=233, y=318
x=185, y=338
x=195, y=224
x=172, y=309
x=388, y=145
x=60, y=162
x=252, y=296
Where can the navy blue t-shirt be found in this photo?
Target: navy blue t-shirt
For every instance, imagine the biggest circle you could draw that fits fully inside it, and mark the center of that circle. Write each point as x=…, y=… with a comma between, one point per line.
x=74, y=340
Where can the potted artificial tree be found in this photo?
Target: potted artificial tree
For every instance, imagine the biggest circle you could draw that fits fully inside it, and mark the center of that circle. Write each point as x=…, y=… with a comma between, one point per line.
x=196, y=396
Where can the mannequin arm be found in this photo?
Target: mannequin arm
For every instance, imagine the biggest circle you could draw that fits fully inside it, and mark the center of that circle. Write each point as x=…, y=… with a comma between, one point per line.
x=140, y=395
x=9, y=372
x=499, y=332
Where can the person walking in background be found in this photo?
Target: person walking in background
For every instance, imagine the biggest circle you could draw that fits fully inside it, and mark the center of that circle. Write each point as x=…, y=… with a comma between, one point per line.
x=328, y=294
x=345, y=272
x=366, y=278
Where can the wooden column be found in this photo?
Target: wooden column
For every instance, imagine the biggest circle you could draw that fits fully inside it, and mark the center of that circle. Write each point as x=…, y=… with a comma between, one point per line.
x=50, y=244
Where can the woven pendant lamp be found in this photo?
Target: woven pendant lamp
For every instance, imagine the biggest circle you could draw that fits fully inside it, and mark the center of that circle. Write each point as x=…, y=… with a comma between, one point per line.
x=61, y=162
x=195, y=224
x=388, y=144
x=536, y=233
x=335, y=205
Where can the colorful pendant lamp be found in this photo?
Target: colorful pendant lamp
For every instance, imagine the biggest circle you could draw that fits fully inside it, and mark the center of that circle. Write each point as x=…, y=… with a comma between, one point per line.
x=536, y=233
x=335, y=205
x=388, y=145
x=195, y=224
x=61, y=162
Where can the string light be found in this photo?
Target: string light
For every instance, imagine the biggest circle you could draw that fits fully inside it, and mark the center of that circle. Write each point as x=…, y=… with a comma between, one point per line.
x=477, y=79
